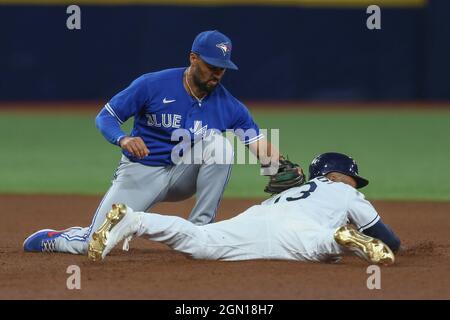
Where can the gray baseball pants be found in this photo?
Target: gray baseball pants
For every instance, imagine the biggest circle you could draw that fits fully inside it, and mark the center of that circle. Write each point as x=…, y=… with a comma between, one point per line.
x=141, y=187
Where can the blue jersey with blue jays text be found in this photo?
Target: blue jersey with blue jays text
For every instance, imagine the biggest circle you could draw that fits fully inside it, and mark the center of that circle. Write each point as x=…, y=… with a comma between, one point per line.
x=160, y=104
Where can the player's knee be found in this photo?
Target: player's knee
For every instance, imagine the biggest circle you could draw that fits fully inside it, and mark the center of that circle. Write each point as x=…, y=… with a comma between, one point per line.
x=218, y=150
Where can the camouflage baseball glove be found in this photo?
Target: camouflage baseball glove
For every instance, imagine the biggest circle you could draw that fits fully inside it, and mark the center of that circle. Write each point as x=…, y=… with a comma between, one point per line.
x=289, y=175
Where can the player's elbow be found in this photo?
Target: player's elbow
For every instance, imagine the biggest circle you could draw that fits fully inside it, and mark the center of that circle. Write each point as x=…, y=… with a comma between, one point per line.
x=100, y=119
x=97, y=121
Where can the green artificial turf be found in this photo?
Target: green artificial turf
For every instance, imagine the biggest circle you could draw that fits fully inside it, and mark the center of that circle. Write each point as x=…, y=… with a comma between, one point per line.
x=404, y=154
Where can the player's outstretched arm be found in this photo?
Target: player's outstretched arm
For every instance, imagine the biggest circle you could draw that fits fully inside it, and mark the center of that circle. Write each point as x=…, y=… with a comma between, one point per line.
x=283, y=174
x=267, y=154
x=109, y=126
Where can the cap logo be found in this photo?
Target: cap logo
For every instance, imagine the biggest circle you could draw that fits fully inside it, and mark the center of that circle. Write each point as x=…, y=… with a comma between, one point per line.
x=225, y=47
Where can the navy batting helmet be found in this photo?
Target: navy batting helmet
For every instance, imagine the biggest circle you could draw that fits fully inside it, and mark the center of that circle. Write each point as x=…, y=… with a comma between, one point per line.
x=336, y=162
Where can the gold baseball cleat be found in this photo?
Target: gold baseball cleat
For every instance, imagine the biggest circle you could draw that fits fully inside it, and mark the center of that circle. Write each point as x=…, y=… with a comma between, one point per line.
x=370, y=249
x=99, y=238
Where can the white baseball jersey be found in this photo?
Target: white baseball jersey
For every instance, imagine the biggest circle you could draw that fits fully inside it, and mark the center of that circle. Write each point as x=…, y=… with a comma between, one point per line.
x=298, y=224
x=328, y=203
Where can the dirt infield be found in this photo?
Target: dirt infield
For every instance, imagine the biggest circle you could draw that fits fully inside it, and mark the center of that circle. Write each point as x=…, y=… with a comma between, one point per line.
x=153, y=271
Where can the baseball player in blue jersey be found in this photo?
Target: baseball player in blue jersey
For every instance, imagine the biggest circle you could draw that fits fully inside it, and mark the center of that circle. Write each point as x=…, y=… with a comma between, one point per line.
x=162, y=103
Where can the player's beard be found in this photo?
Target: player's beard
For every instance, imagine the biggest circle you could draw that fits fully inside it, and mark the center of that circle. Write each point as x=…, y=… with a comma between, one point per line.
x=203, y=85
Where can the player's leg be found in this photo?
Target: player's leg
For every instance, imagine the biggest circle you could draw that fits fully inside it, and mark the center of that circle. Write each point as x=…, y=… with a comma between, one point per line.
x=178, y=233
x=123, y=223
x=240, y=238
x=244, y=237
x=212, y=178
x=207, y=180
x=309, y=241
x=328, y=250
x=136, y=185
x=300, y=238
x=229, y=240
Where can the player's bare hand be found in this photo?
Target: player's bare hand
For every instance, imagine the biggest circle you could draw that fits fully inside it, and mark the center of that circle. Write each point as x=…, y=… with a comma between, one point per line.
x=135, y=146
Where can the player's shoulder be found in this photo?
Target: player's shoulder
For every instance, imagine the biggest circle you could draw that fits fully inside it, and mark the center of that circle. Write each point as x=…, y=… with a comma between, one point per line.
x=337, y=186
x=230, y=103
x=338, y=191
x=159, y=78
x=352, y=194
x=222, y=93
x=166, y=74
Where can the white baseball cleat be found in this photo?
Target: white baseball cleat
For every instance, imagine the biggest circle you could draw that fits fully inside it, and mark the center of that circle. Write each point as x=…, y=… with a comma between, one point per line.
x=370, y=249
x=121, y=223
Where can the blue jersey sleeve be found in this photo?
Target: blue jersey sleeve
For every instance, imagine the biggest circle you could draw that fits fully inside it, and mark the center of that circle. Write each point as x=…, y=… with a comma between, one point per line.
x=129, y=101
x=245, y=127
x=109, y=127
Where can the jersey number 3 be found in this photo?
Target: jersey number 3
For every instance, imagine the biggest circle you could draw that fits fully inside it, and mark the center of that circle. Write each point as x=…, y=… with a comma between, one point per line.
x=303, y=194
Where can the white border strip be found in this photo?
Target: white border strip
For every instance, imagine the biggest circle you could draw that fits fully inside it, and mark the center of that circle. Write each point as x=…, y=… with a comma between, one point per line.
x=254, y=139
x=367, y=226
x=111, y=111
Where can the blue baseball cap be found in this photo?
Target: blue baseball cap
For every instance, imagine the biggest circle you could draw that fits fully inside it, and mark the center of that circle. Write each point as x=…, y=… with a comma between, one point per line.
x=214, y=48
